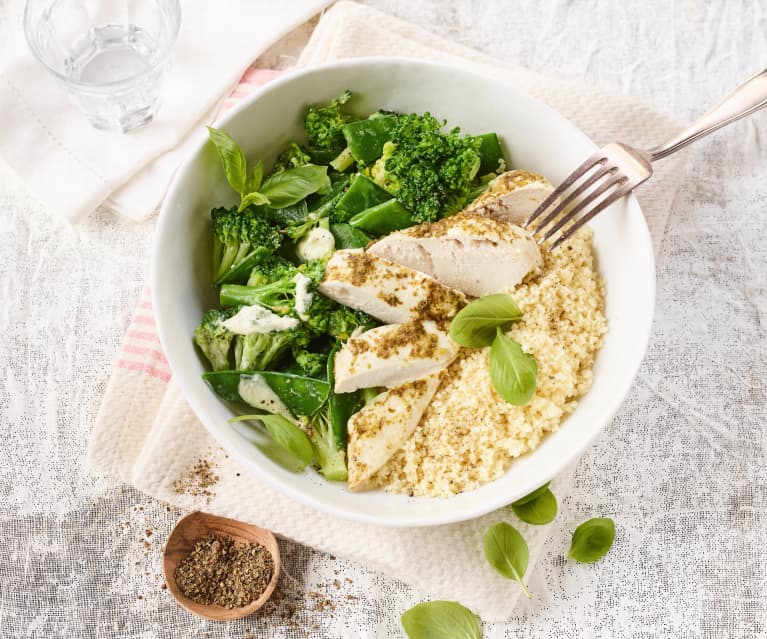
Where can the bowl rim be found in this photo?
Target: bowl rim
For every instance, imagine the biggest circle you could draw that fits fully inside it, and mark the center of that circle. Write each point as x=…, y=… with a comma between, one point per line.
x=466, y=513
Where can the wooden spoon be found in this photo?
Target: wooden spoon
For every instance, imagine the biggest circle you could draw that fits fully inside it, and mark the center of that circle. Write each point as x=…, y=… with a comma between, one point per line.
x=195, y=526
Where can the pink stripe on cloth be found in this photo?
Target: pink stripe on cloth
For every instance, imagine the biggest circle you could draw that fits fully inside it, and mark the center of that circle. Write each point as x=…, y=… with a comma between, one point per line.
x=144, y=368
x=151, y=353
x=146, y=320
x=249, y=82
x=257, y=76
x=143, y=335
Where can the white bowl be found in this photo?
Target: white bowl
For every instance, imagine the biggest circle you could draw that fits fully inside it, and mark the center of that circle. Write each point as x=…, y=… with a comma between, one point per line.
x=536, y=138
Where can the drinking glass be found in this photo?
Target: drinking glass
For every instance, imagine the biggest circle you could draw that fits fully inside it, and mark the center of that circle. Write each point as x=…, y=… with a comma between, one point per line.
x=110, y=55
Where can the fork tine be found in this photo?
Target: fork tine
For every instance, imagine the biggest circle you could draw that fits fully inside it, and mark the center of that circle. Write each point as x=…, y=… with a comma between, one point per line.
x=616, y=195
x=594, y=177
x=592, y=197
x=593, y=160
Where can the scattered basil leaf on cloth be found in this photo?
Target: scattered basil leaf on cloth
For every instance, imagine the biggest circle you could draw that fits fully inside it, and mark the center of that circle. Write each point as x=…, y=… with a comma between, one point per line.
x=293, y=185
x=506, y=551
x=232, y=159
x=475, y=324
x=538, y=511
x=286, y=434
x=592, y=539
x=441, y=620
x=513, y=372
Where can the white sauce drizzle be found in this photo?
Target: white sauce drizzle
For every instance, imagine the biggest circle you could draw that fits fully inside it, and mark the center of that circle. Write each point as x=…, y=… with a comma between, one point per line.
x=257, y=319
x=303, y=295
x=256, y=392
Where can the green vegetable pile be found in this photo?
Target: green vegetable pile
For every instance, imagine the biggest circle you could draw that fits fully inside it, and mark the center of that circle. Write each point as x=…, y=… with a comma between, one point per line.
x=353, y=179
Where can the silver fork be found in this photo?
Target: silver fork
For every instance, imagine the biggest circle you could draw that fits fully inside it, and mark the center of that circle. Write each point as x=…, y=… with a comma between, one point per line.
x=617, y=169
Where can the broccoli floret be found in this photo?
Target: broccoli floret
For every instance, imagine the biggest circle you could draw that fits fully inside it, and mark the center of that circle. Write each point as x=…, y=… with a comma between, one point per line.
x=318, y=315
x=258, y=351
x=330, y=457
x=311, y=363
x=272, y=284
x=271, y=270
x=314, y=270
x=237, y=234
x=214, y=339
x=324, y=125
x=343, y=321
x=292, y=157
x=378, y=173
x=429, y=171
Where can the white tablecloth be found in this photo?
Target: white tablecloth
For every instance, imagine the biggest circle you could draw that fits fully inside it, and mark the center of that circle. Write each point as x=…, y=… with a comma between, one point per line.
x=79, y=558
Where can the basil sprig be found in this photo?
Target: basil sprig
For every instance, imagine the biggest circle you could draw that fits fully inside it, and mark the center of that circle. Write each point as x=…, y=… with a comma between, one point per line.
x=441, y=620
x=285, y=434
x=475, y=324
x=506, y=551
x=513, y=372
x=592, y=539
x=278, y=191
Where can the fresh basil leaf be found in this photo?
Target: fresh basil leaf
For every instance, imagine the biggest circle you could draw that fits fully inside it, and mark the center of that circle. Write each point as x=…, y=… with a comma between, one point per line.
x=513, y=372
x=293, y=185
x=538, y=511
x=441, y=620
x=286, y=434
x=232, y=158
x=533, y=495
x=276, y=453
x=475, y=324
x=256, y=177
x=252, y=198
x=592, y=539
x=506, y=551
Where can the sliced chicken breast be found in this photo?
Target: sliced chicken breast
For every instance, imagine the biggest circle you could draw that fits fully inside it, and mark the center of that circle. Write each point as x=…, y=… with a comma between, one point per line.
x=475, y=254
x=388, y=291
x=512, y=196
x=393, y=354
x=378, y=430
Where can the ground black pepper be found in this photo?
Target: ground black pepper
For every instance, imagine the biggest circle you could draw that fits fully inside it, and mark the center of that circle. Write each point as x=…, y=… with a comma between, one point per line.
x=220, y=571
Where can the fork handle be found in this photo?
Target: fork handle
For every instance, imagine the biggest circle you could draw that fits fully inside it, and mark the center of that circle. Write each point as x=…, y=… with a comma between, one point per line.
x=744, y=100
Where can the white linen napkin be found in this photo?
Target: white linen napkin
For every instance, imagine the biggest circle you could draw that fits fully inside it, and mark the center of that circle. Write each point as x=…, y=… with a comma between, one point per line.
x=73, y=168
x=147, y=435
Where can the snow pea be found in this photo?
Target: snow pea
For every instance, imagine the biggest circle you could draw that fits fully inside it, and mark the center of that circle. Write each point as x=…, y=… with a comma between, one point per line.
x=348, y=237
x=362, y=194
x=293, y=214
x=302, y=395
x=490, y=153
x=365, y=138
x=383, y=218
x=341, y=406
x=323, y=205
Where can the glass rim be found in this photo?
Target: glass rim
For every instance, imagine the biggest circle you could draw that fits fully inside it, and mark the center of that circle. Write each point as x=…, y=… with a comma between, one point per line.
x=162, y=58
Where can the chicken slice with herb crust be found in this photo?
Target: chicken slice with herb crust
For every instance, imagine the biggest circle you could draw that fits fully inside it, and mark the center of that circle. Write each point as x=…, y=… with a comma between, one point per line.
x=388, y=291
x=475, y=254
x=378, y=430
x=392, y=355
x=512, y=196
